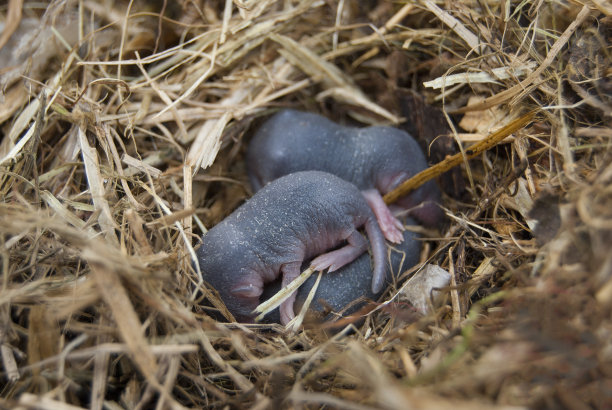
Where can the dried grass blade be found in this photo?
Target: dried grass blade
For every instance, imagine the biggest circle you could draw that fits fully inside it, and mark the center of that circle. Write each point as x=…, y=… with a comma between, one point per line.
x=17, y=148
x=100, y=373
x=167, y=220
x=9, y=363
x=603, y=6
x=531, y=78
x=43, y=335
x=482, y=273
x=44, y=403
x=140, y=165
x=454, y=292
x=98, y=389
x=276, y=300
x=130, y=328
x=106, y=131
x=13, y=18
x=59, y=210
x=23, y=120
x=190, y=90
x=204, y=149
x=96, y=186
x=500, y=73
x=296, y=322
x=241, y=381
x=311, y=63
x=316, y=67
x=170, y=379
x=467, y=36
x=135, y=224
x=266, y=96
x=358, y=98
x=227, y=16
x=114, y=348
x=179, y=227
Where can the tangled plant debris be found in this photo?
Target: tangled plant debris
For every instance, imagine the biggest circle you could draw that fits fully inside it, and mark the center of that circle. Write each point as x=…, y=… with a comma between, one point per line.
x=122, y=134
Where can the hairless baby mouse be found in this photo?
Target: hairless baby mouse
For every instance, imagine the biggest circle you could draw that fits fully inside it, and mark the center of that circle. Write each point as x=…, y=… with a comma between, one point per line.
x=292, y=219
x=376, y=159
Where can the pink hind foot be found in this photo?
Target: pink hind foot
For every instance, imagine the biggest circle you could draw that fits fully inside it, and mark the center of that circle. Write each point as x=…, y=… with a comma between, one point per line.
x=390, y=226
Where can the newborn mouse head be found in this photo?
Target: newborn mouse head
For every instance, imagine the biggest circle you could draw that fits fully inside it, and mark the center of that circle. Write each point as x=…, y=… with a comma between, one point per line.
x=225, y=265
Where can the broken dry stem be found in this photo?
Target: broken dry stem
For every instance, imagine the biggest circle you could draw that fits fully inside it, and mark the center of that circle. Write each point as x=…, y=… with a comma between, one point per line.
x=454, y=160
x=282, y=295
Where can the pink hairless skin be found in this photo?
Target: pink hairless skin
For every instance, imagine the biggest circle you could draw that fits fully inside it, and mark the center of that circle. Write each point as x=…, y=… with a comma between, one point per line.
x=292, y=219
x=375, y=159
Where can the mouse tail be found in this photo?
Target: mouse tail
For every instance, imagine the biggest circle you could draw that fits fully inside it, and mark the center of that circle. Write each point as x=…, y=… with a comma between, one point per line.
x=379, y=251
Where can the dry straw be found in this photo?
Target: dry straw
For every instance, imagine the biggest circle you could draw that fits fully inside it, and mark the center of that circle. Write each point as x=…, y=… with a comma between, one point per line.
x=123, y=125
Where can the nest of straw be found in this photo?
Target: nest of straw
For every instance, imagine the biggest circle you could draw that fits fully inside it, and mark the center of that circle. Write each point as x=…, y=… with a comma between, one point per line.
x=123, y=126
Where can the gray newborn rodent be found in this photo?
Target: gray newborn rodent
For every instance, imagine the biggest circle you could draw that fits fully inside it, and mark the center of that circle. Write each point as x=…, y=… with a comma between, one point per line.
x=292, y=219
x=375, y=159
x=338, y=289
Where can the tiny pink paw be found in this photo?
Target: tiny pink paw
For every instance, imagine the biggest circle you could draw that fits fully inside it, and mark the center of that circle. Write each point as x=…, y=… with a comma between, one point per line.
x=392, y=229
x=323, y=262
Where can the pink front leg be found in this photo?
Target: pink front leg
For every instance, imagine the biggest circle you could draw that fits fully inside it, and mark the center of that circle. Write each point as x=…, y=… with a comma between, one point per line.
x=334, y=260
x=390, y=226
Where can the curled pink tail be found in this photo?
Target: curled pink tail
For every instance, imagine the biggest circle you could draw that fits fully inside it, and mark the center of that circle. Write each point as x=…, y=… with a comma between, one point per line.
x=379, y=250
